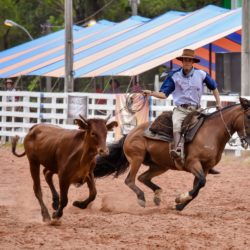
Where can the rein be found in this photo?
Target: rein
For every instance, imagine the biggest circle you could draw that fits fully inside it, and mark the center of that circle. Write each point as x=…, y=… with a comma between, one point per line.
x=228, y=131
x=243, y=138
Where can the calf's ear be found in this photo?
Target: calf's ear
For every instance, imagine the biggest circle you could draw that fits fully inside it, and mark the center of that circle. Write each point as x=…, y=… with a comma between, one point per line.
x=111, y=125
x=244, y=103
x=81, y=124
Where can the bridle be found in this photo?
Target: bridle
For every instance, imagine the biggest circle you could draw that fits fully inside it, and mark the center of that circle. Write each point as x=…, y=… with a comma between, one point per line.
x=243, y=138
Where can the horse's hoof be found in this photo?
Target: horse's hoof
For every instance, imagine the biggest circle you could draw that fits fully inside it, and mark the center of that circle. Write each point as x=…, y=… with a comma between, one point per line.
x=179, y=207
x=46, y=219
x=80, y=204
x=46, y=216
x=157, y=197
x=157, y=201
x=178, y=200
x=55, y=222
x=142, y=203
x=56, y=215
x=183, y=198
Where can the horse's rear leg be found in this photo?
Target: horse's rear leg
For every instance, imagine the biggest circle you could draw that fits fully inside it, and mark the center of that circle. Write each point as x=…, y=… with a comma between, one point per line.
x=146, y=177
x=92, y=193
x=49, y=179
x=130, y=181
x=35, y=173
x=199, y=182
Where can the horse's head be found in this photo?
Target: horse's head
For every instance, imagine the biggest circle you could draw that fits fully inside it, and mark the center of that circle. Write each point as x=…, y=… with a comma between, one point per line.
x=245, y=137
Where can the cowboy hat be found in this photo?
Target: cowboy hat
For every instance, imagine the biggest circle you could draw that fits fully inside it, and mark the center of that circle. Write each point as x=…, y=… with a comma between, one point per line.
x=188, y=53
x=9, y=81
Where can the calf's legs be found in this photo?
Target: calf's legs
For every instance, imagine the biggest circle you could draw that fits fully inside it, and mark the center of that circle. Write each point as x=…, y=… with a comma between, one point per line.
x=49, y=179
x=35, y=173
x=92, y=192
x=64, y=187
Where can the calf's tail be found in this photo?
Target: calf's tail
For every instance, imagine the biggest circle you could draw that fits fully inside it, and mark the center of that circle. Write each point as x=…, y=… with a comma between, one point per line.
x=14, y=141
x=115, y=163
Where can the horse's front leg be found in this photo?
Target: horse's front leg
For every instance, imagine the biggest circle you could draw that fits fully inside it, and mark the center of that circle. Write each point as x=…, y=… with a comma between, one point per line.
x=199, y=182
x=146, y=177
x=130, y=180
x=92, y=192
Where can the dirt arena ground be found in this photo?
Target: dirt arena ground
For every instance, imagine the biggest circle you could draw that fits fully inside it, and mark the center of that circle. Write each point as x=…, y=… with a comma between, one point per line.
x=218, y=219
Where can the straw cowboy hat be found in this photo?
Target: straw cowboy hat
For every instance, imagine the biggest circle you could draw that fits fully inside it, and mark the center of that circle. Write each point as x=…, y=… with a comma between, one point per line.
x=188, y=53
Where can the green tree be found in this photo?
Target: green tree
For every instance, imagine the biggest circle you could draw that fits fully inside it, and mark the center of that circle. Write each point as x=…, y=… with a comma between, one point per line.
x=154, y=8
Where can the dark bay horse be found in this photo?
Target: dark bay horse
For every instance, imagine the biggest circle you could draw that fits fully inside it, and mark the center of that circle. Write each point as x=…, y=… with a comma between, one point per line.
x=201, y=154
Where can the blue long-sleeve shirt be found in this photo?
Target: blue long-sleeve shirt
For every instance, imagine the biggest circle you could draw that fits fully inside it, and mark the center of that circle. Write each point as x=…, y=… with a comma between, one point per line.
x=187, y=89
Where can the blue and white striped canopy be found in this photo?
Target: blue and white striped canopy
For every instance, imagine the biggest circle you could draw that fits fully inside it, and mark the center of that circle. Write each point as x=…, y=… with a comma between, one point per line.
x=127, y=48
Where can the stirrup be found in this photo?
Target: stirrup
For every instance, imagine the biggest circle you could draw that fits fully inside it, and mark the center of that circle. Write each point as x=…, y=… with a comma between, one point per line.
x=178, y=159
x=175, y=153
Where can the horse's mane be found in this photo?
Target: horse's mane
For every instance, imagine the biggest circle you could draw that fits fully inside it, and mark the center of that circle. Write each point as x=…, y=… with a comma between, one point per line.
x=192, y=118
x=217, y=112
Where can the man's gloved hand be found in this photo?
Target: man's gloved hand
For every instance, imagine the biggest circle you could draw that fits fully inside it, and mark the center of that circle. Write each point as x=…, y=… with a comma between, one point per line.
x=218, y=106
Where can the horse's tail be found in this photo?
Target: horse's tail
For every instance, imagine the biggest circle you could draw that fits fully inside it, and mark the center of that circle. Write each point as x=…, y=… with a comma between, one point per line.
x=14, y=141
x=115, y=163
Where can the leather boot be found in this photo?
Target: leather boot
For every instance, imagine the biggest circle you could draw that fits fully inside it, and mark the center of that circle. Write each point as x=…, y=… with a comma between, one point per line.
x=176, y=152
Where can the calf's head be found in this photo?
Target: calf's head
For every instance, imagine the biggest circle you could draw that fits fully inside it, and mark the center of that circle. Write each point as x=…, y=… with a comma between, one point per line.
x=96, y=132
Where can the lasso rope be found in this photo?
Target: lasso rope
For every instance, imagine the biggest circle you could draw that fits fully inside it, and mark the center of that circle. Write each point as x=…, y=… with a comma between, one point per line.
x=135, y=102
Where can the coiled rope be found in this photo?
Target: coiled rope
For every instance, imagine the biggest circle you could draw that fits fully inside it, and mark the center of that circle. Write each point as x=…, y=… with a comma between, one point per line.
x=135, y=102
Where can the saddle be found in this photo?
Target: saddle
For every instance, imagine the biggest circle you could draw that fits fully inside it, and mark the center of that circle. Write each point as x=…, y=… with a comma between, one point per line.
x=162, y=127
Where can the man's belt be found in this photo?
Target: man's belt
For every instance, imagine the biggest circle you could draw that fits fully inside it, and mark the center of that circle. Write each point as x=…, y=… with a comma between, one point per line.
x=189, y=106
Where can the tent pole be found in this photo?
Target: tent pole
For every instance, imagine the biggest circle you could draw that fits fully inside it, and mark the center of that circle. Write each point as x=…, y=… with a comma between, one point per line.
x=210, y=59
x=245, y=49
x=68, y=80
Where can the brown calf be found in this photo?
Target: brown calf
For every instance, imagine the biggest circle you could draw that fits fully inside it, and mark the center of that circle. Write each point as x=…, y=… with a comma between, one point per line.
x=69, y=153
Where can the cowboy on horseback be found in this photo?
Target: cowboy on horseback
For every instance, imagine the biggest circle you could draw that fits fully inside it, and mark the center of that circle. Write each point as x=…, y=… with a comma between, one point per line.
x=186, y=86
